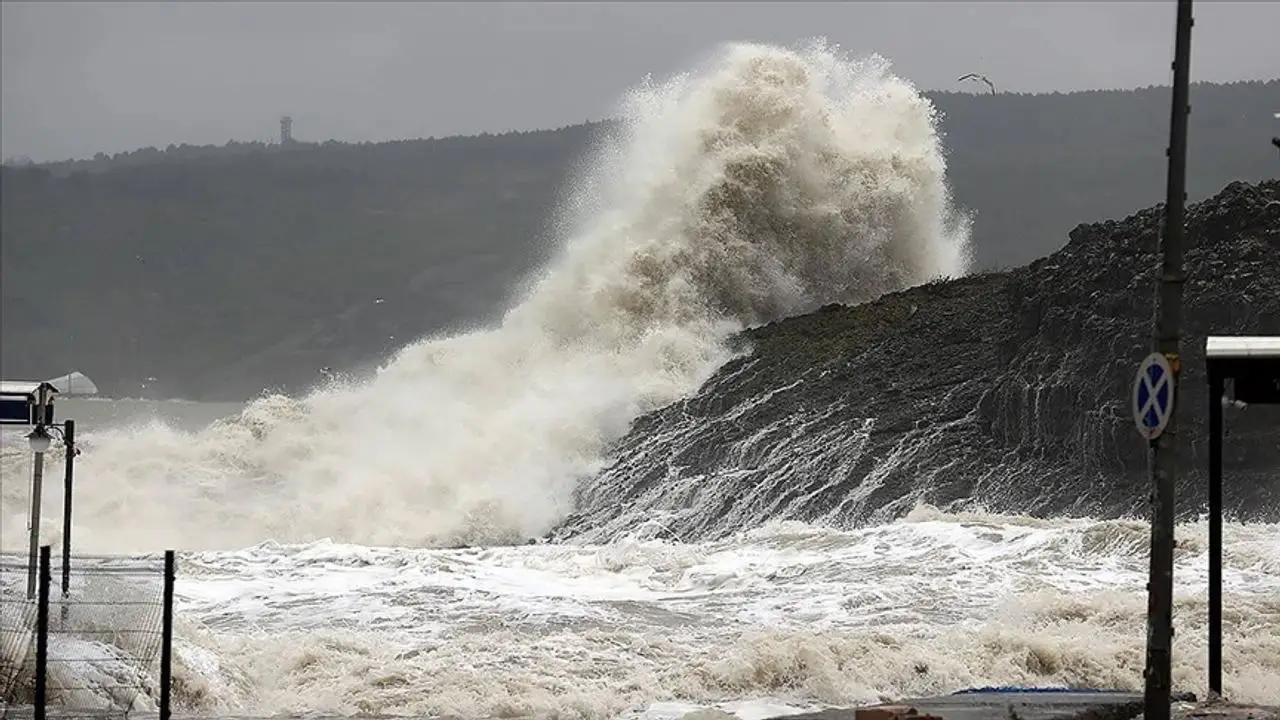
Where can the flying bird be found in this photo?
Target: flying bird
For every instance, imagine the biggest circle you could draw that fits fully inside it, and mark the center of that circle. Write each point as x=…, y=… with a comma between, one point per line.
x=979, y=77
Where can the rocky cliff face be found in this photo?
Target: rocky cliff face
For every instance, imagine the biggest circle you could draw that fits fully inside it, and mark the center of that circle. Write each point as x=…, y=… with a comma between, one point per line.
x=1007, y=391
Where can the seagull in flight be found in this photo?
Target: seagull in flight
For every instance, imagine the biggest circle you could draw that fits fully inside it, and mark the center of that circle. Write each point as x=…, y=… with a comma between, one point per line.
x=979, y=77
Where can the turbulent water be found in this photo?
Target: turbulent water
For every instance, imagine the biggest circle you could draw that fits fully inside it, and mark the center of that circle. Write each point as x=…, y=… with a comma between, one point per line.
x=316, y=574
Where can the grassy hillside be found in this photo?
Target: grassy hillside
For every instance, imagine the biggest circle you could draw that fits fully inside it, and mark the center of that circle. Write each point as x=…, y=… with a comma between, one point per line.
x=212, y=272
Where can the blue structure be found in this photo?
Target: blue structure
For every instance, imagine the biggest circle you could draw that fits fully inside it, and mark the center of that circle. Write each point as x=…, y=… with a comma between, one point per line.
x=26, y=403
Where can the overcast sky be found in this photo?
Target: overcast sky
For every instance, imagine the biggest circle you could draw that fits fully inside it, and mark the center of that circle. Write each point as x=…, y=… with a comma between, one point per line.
x=82, y=78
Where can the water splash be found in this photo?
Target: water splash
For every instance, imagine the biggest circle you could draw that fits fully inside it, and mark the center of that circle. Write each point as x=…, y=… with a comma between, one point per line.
x=766, y=183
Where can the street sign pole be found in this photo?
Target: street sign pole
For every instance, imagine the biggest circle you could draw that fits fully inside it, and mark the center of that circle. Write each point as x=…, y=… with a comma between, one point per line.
x=1167, y=340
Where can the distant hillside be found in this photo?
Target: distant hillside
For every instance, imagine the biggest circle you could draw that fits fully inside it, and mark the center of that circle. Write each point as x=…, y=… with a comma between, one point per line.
x=212, y=272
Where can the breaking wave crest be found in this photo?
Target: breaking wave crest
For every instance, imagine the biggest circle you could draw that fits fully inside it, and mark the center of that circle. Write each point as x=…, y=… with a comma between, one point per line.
x=765, y=184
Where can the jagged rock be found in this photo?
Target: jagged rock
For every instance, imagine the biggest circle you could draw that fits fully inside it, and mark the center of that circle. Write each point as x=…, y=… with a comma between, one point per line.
x=1006, y=390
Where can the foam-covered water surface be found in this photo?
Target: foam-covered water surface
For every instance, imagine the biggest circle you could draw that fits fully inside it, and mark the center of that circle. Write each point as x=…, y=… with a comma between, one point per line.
x=788, y=616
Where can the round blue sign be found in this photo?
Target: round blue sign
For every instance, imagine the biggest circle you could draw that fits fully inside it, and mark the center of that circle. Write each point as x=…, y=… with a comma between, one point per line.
x=1152, y=398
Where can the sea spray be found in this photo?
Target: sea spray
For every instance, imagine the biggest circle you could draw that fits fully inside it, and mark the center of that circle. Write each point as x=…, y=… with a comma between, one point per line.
x=765, y=183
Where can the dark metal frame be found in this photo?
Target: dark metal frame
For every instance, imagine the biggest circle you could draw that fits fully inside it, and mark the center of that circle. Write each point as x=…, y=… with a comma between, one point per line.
x=1257, y=381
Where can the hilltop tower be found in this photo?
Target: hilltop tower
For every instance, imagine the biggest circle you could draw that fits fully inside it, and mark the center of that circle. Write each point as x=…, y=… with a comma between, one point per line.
x=286, y=130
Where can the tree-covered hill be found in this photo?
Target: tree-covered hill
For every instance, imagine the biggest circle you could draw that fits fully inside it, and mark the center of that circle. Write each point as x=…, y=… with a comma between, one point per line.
x=213, y=272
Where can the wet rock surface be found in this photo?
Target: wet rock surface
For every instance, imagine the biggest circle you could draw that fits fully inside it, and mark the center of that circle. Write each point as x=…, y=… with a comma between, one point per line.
x=1007, y=391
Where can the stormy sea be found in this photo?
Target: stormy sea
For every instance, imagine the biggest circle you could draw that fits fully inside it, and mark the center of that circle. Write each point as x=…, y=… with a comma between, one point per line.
x=755, y=439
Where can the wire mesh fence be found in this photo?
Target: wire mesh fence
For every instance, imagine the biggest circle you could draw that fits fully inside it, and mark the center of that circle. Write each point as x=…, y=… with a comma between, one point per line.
x=93, y=641
x=28, y=712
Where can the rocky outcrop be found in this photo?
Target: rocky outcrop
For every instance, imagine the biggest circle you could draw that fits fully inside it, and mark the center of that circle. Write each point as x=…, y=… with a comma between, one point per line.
x=1007, y=391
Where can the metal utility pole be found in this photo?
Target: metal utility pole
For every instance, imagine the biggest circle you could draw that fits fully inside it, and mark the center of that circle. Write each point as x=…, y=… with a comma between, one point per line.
x=43, y=414
x=1167, y=340
x=68, y=492
x=37, y=486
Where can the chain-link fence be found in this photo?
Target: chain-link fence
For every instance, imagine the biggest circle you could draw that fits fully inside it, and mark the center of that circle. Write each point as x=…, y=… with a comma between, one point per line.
x=94, y=641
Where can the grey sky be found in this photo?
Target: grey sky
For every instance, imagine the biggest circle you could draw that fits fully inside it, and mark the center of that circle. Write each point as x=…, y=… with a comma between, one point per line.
x=82, y=78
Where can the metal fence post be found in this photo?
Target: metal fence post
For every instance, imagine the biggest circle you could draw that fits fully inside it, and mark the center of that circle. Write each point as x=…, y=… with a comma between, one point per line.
x=42, y=632
x=166, y=638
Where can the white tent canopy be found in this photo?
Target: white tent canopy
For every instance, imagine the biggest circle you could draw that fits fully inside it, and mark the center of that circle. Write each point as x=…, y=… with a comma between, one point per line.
x=74, y=383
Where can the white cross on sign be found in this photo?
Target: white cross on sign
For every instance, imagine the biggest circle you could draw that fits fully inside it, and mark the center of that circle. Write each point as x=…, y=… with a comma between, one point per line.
x=1152, y=398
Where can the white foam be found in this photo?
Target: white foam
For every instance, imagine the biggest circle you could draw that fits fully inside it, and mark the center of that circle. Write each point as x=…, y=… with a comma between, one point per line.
x=787, y=616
